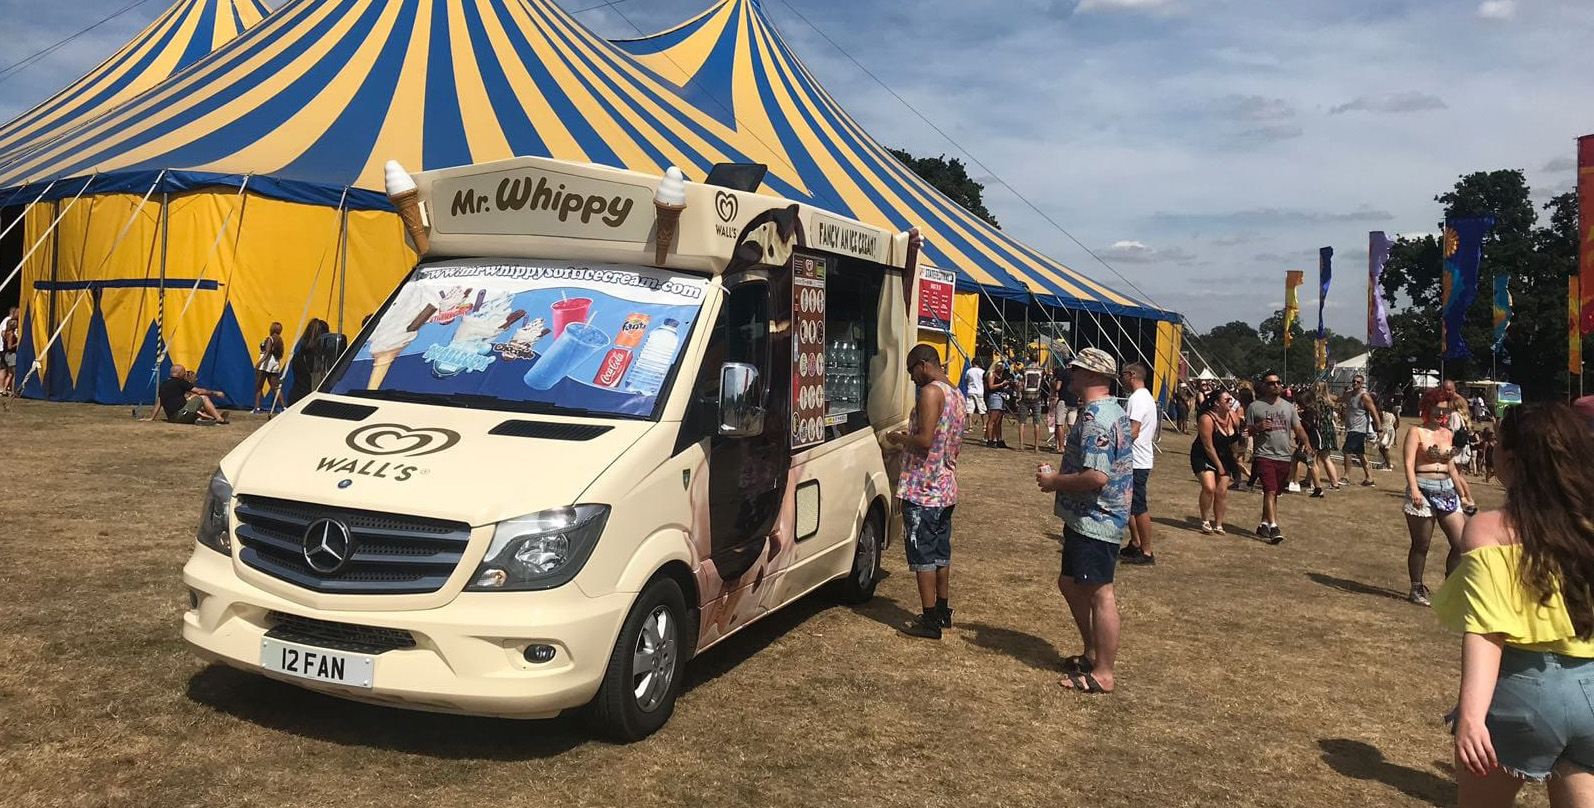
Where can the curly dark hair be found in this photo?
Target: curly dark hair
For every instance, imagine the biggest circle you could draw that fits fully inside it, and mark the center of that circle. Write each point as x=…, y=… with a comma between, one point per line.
x=1550, y=504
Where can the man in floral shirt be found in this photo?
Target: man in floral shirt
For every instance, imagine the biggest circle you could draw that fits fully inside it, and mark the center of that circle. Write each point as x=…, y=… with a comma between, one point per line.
x=1093, y=490
x=929, y=486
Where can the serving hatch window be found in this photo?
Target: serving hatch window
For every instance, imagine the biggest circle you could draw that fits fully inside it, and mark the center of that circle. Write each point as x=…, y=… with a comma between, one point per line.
x=527, y=336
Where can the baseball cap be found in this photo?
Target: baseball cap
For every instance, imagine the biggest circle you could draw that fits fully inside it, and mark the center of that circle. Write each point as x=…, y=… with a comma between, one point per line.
x=1095, y=360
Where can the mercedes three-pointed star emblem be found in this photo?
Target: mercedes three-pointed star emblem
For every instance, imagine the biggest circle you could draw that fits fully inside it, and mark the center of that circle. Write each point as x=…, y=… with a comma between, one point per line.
x=327, y=546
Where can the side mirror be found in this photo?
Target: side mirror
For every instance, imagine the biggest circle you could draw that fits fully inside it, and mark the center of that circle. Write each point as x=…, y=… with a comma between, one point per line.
x=740, y=393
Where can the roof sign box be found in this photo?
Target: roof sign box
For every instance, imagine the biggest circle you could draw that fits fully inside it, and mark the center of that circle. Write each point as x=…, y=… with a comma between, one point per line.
x=536, y=201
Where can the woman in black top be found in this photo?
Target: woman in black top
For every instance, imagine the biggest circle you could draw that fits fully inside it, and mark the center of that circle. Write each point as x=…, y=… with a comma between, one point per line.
x=1212, y=456
x=302, y=366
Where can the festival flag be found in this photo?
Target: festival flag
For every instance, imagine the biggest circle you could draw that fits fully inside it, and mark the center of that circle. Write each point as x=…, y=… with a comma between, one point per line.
x=1378, y=335
x=1292, y=302
x=1574, y=337
x=1321, y=351
x=1325, y=273
x=1502, y=309
x=1585, y=196
x=1463, y=250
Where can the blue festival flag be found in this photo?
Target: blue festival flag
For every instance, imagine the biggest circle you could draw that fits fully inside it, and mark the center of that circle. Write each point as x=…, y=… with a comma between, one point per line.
x=1463, y=251
x=1378, y=335
x=1325, y=273
x=1502, y=309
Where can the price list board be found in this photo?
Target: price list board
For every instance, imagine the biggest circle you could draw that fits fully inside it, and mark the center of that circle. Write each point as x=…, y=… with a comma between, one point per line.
x=935, y=298
x=808, y=401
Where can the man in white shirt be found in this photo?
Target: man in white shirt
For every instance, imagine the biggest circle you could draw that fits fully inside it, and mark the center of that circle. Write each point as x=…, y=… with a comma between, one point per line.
x=974, y=378
x=1143, y=423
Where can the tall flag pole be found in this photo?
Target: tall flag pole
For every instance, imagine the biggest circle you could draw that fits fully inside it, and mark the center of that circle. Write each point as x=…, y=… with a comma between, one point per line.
x=1378, y=335
x=1292, y=307
x=1463, y=251
x=1502, y=312
x=1585, y=196
x=1325, y=274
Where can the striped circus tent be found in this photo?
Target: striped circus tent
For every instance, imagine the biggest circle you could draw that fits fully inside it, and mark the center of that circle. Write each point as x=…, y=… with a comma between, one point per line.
x=187, y=32
x=246, y=189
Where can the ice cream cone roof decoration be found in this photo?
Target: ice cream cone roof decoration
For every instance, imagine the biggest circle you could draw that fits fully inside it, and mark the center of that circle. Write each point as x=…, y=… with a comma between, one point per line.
x=185, y=33
x=732, y=63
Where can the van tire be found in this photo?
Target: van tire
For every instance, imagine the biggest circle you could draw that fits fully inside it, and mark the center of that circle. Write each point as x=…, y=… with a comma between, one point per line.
x=617, y=712
x=859, y=585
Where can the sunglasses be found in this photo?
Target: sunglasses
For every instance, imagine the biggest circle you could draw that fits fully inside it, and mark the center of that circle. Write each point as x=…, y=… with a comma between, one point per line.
x=1271, y=381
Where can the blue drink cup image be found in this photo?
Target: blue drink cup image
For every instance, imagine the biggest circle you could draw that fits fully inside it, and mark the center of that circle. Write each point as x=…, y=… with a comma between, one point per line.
x=576, y=344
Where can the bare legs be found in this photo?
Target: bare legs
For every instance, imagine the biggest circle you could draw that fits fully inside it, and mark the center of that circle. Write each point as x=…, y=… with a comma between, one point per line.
x=1214, y=497
x=933, y=585
x=1095, y=611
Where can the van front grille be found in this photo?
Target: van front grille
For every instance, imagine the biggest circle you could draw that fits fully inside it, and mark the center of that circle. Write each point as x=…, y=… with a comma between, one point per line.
x=337, y=636
x=389, y=553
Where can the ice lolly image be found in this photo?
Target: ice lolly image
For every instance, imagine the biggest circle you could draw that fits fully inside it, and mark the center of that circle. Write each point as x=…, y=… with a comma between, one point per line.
x=668, y=202
x=396, y=333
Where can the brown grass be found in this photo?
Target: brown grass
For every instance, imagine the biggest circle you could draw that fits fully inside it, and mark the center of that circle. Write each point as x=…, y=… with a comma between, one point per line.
x=1250, y=675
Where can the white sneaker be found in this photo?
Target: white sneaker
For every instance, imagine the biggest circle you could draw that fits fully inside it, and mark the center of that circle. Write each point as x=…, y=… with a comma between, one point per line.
x=1294, y=488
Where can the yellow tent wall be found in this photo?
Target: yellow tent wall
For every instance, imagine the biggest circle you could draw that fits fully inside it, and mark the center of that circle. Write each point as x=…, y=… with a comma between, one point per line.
x=1170, y=339
x=275, y=261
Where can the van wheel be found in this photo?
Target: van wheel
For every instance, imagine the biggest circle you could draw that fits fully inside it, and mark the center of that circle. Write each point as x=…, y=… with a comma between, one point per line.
x=860, y=583
x=646, y=668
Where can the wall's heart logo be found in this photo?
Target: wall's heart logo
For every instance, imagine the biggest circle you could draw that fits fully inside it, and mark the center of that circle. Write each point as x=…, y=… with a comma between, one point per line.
x=725, y=205
x=383, y=440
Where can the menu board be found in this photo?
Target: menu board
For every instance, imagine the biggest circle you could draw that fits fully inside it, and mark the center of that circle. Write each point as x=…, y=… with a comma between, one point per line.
x=808, y=399
x=935, y=298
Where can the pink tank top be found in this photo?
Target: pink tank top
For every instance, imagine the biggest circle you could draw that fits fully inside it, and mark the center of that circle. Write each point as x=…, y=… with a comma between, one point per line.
x=928, y=477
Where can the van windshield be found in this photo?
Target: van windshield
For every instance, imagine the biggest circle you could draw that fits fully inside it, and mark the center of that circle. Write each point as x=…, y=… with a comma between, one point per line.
x=527, y=336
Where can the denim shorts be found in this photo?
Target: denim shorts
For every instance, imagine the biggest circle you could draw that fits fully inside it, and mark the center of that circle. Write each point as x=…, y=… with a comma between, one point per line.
x=1542, y=713
x=1088, y=561
x=1028, y=410
x=929, y=536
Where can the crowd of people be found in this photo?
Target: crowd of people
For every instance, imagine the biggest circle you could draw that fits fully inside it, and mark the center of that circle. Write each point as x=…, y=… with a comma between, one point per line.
x=1520, y=581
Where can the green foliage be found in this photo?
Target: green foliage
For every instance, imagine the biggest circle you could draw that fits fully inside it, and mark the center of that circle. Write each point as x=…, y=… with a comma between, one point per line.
x=1248, y=351
x=950, y=177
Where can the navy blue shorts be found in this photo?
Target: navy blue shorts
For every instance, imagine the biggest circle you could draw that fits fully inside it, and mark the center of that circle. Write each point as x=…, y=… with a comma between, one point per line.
x=1137, y=502
x=928, y=537
x=1355, y=443
x=1087, y=560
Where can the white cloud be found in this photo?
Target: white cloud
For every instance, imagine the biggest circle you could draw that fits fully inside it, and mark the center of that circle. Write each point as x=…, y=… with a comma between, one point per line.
x=1395, y=103
x=1092, y=5
x=1497, y=9
x=1138, y=252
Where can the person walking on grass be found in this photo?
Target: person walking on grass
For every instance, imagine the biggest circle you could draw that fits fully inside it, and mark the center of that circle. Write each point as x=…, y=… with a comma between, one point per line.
x=1436, y=490
x=1275, y=431
x=974, y=380
x=929, y=487
x=1362, y=422
x=1031, y=380
x=1143, y=423
x=1523, y=596
x=997, y=385
x=268, y=368
x=1318, y=421
x=1093, y=491
x=1212, y=458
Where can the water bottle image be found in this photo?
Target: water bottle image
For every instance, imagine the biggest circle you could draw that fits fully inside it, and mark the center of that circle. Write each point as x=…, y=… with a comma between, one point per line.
x=653, y=364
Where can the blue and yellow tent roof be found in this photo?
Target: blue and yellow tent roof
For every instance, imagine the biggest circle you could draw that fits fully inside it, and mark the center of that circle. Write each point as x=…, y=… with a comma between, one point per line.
x=311, y=102
x=187, y=32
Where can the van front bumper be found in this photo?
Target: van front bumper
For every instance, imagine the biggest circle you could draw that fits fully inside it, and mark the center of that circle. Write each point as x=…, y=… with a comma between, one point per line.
x=468, y=656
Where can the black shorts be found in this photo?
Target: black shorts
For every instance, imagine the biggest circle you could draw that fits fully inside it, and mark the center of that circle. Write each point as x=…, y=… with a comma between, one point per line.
x=1314, y=437
x=1355, y=443
x=1137, y=502
x=1200, y=463
x=1087, y=560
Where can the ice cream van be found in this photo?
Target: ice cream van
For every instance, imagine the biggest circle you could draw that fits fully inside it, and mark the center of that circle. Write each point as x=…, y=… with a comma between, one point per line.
x=608, y=420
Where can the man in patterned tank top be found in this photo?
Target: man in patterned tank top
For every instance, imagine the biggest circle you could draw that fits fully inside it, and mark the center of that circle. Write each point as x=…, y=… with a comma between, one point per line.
x=929, y=486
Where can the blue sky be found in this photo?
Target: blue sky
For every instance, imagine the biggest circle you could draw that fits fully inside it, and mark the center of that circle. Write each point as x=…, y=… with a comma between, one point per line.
x=1202, y=147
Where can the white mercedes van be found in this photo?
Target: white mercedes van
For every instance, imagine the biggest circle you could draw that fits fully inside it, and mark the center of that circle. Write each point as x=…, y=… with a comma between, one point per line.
x=609, y=420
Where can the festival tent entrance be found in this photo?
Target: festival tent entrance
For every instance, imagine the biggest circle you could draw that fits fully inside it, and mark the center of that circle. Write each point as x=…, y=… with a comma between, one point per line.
x=247, y=188
x=733, y=63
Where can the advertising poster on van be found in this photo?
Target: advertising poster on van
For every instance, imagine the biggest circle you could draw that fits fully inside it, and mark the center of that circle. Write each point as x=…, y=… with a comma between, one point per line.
x=590, y=339
x=808, y=398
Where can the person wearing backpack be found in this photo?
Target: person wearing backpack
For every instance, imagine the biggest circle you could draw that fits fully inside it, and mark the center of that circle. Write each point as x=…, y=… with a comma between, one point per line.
x=1030, y=379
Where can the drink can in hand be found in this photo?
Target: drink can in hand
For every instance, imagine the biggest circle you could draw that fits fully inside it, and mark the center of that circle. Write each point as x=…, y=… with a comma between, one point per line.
x=1043, y=468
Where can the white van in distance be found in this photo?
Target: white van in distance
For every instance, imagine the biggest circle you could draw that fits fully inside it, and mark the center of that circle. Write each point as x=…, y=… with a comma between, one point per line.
x=607, y=421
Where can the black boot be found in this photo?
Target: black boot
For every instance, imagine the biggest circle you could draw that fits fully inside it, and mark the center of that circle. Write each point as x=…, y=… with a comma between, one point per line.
x=927, y=626
x=944, y=612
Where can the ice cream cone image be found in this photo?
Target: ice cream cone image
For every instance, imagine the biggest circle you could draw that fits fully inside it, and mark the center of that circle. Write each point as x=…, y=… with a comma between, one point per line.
x=380, y=362
x=668, y=202
x=401, y=191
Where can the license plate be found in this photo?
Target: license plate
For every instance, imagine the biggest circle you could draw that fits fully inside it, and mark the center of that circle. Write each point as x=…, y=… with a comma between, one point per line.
x=307, y=662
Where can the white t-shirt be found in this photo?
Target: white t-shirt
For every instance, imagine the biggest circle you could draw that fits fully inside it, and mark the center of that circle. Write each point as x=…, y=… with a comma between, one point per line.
x=1143, y=411
x=976, y=377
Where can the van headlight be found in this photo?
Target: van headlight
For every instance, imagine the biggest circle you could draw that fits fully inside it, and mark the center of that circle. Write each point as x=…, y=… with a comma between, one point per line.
x=215, y=522
x=540, y=550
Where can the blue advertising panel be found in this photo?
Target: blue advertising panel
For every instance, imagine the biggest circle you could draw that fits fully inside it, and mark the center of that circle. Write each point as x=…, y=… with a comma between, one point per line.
x=601, y=338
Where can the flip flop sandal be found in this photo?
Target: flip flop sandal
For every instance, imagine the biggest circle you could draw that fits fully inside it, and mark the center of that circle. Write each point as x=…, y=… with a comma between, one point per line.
x=1078, y=663
x=1086, y=684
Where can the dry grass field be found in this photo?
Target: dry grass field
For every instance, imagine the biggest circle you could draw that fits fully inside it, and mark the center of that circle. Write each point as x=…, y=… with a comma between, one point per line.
x=1293, y=676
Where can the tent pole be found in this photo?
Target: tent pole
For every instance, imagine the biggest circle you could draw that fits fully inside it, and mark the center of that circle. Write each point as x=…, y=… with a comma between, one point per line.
x=55, y=276
x=160, y=310
x=343, y=266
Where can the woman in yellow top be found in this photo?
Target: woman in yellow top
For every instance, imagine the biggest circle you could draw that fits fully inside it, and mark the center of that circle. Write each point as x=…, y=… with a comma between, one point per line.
x=1522, y=594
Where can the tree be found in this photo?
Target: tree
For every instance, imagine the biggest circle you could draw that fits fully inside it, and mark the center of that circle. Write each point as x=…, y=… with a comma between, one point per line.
x=950, y=177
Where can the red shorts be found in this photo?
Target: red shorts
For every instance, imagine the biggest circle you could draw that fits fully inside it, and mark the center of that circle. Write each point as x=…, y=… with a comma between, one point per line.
x=1274, y=474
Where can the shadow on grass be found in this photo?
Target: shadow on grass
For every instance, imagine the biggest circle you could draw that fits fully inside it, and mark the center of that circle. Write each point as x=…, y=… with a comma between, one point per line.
x=1026, y=648
x=1354, y=587
x=1189, y=523
x=1363, y=761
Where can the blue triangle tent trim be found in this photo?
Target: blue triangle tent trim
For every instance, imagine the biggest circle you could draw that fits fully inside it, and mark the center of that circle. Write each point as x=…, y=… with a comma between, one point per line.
x=97, y=380
x=57, y=373
x=25, y=355
x=228, y=365
x=141, y=386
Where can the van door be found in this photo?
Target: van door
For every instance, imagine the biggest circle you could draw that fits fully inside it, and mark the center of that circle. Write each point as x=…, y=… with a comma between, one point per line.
x=747, y=476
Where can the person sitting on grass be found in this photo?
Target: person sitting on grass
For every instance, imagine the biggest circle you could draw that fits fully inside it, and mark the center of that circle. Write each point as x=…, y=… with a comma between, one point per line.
x=185, y=403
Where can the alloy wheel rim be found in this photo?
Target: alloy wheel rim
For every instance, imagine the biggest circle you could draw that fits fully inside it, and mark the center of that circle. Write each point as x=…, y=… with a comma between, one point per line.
x=653, y=659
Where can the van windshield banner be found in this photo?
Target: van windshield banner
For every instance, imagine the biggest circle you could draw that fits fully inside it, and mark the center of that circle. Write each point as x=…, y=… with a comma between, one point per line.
x=600, y=338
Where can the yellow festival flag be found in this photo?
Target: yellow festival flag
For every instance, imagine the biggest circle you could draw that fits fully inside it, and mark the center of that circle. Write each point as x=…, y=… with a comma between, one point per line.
x=1292, y=302
x=1574, y=338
